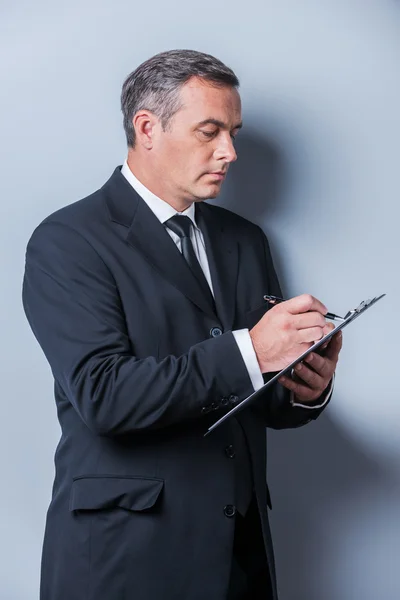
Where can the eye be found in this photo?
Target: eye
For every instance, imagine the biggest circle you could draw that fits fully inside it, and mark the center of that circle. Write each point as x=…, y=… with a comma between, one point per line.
x=208, y=134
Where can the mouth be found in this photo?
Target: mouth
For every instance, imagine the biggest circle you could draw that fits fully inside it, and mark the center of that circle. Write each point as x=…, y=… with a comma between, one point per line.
x=218, y=175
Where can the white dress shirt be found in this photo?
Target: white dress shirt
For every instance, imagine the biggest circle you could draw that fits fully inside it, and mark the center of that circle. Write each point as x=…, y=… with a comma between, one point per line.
x=164, y=211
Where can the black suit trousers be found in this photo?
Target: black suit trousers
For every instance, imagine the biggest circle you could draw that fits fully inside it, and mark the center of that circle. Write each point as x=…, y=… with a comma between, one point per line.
x=249, y=577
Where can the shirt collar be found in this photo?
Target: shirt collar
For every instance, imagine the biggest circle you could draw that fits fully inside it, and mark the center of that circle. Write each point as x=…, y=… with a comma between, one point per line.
x=162, y=210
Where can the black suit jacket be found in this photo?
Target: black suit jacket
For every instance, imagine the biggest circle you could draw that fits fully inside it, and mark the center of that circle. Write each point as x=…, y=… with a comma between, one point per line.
x=138, y=501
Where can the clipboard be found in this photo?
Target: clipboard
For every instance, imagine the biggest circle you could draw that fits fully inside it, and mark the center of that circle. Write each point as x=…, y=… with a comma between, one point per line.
x=351, y=316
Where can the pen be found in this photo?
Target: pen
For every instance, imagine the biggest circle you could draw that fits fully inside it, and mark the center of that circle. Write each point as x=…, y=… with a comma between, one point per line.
x=276, y=300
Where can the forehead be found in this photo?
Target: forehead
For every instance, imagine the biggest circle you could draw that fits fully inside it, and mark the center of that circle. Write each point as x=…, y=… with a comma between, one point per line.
x=202, y=100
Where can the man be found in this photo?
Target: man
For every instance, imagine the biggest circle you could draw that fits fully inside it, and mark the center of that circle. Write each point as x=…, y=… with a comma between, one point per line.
x=148, y=304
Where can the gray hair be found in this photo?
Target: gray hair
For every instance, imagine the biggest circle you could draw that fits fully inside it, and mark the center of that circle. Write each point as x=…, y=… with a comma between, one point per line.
x=155, y=85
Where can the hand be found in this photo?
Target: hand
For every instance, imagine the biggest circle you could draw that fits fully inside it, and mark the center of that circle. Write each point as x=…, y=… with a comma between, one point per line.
x=314, y=377
x=287, y=330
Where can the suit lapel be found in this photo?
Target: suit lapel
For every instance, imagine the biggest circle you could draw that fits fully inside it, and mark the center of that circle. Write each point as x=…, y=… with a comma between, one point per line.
x=150, y=238
x=222, y=254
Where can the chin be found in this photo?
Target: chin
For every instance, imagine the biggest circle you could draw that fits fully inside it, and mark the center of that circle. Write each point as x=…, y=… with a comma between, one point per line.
x=213, y=194
x=212, y=191
x=206, y=192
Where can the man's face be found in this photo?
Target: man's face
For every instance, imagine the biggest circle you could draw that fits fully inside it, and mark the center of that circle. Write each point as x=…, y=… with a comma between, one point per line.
x=198, y=141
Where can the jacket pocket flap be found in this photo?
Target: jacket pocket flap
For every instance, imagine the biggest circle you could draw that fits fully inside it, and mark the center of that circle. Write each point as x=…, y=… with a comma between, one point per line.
x=131, y=493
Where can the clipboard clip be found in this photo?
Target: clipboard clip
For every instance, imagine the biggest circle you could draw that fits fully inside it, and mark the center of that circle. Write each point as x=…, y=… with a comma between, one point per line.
x=362, y=306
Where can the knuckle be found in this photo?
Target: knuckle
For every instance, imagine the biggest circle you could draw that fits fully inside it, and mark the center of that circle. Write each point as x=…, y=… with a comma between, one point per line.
x=308, y=299
x=286, y=322
x=321, y=320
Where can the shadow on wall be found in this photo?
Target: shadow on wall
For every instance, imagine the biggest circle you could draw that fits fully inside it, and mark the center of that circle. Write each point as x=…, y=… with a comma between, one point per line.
x=315, y=470
x=316, y=474
x=256, y=185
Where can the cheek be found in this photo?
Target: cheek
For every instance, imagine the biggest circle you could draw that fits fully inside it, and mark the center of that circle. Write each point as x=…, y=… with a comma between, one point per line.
x=191, y=164
x=186, y=161
x=171, y=159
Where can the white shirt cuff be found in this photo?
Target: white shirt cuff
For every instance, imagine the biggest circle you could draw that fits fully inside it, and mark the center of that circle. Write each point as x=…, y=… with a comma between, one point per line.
x=243, y=340
x=328, y=393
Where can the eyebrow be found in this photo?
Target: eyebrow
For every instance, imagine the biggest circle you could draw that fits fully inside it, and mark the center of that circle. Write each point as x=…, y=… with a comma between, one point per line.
x=218, y=123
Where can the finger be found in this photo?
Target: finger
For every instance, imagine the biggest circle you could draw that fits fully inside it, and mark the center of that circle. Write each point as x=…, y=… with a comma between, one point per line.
x=312, y=334
x=334, y=347
x=302, y=391
x=305, y=303
x=321, y=365
x=310, y=377
x=309, y=319
x=328, y=327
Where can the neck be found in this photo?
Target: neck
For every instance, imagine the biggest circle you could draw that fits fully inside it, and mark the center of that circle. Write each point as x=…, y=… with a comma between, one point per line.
x=145, y=174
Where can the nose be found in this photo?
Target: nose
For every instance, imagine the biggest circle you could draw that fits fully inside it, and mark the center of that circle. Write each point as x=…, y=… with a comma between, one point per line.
x=225, y=150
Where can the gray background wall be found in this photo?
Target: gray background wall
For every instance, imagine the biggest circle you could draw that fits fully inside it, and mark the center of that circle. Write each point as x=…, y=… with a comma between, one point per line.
x=318, y=169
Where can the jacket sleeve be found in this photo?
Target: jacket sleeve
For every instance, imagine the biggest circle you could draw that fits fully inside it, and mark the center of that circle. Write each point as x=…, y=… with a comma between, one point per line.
x=73, y=306
x=275, y=405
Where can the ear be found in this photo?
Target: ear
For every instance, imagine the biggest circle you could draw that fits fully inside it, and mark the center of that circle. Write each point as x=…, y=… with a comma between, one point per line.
x=144, y=123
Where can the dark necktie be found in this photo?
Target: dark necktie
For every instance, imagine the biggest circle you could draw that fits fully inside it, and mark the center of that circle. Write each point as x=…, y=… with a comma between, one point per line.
x=180, y=224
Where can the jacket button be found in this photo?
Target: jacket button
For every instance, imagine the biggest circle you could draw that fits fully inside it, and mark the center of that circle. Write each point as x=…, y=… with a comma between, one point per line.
x=233, y=399
x=230, y=452
x=215, y=331
x=224, y=401
x=229, y=510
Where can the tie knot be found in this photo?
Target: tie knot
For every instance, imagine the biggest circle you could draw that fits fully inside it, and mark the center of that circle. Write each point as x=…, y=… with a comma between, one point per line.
x=179, y=224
